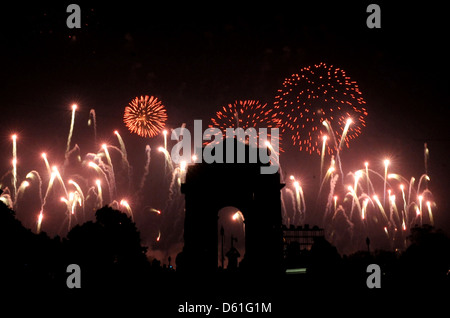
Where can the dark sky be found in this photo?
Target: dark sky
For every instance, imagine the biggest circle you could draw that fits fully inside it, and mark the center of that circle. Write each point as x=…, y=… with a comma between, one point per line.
x=197, y=58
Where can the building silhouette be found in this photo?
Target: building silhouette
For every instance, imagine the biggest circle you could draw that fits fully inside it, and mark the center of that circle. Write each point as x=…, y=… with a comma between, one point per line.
x=210, y=187
x=304, y=236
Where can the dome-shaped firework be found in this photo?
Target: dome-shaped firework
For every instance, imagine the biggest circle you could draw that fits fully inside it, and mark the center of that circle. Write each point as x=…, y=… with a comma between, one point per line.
x=319, y=101
x=145, y=116
x=245, y=114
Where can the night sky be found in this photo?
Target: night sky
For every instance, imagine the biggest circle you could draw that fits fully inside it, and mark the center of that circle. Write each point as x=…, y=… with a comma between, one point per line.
x=199, y=58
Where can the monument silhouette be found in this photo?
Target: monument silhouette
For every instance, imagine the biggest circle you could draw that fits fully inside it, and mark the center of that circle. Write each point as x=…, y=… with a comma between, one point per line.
x=210, y=187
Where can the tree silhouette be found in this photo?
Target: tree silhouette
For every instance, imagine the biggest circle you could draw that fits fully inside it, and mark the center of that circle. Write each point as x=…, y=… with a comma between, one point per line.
x=109, y=250
x=427, y=259
x=29, y=261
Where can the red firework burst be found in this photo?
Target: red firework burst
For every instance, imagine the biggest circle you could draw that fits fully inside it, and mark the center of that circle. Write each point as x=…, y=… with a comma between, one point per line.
x=145, y=116
x=245, y=114
x=316, y=101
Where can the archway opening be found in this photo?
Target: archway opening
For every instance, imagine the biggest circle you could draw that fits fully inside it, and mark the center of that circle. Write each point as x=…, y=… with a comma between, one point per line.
x=231, y=237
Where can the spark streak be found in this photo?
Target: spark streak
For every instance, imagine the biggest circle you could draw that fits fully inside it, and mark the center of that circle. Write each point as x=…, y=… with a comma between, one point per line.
x=72, y=122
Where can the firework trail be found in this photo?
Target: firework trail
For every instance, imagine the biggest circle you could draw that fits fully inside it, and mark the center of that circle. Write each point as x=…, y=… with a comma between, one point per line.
x=344, y=133
x=14, y=163
x=44, y=201
x=125, y=165
x=167, y=157
x=102, y=173
x=165, y=138
x=341, y=230
x=21, y=190
x=108, y=157
x=330, y=131
x=366, y=165
x=93, y=121
x=39, y=221
x=123, y=149
x=322, y=154
x=330, y=170
x=145, y=116
x=127, y=207
x=110, y=170
x=331, y=197
x=72, y=123
x=99, y=193
x=79, y=192
x=71, y=203
x=33, y=174
x=386, y=164
x=146, y=170
x=426, y=155
x=317, y=93
x=47, y=165
x=60, y=179
x=172, y=220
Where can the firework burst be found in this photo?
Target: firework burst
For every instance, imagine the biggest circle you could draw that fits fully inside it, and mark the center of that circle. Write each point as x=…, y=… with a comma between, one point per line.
x=246, y=114
x=145, y=116
x=316, y=99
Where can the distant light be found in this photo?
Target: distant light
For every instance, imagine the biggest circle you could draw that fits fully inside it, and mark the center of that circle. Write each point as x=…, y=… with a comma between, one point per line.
x=116, y=132
x=366, y=164
x=324, y=138
x=44, y=155
x=292, y=177
x=14, y=137
x=194, y=158
x=97, y=182
x=104, y=146
x=165, y=132
x=295, y=271
x=74, y=106
x=237, y=215
x=349, y=121
x=386, y=162
x=161, y=149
